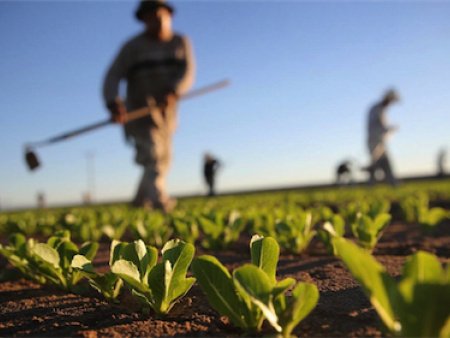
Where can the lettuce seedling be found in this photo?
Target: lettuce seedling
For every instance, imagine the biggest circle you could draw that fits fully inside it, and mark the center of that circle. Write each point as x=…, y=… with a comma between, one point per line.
x=416, y=209
x=416, y=306
x=375, y=207
x=333, y=227
x=295, y=231
x=53, y=259
x=83, y=224
x=252, y=294
x=186, y=228
x=108, y=284
x=219, y=234
x=152, y=228
x=157, y=286
x=18, y=252
x=368, y=231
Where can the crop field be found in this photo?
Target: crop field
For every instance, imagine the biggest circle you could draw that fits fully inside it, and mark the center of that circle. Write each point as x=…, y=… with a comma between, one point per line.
x=344, y=261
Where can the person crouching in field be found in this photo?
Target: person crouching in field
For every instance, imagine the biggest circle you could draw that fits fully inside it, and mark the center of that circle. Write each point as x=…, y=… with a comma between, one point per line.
x=158, y=66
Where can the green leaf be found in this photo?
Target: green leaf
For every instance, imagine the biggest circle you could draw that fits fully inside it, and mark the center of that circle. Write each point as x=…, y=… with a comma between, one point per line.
x=379, y=287
x=265, y=252
x=426, y=311
x=422, y=267
x=47, y=254
x=17, y=240
x=216, y=282
x=255, y=283
x=89, y=249
x=304, y=299
x=116, y=250
x=130, y=274
x=435, y=216
x=85, y=265
x=66, y=252
x=282, y=286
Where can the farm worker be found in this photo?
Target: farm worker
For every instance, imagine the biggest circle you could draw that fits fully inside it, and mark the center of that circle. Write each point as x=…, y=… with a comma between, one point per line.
x=344, y=173
x=379, y=131
x=441, y=162
x=158, y=66
x=210, y=167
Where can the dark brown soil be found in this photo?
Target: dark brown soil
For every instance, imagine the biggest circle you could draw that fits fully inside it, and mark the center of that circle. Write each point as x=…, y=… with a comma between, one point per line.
x=29, y=309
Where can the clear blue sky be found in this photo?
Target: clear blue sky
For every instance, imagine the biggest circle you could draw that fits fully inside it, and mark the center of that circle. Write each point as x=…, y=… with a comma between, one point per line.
x=304, y=74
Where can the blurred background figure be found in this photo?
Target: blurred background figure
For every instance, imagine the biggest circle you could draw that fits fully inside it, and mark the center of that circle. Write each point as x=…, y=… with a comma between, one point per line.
x=441, y=162
x=210, y=168
x=41, y=200
x=158, y=66
x=344, y=173
x=379, y=131
x=87, y=198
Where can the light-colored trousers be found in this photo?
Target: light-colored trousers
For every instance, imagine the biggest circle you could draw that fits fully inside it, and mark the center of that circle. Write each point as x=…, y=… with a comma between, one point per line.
x=153, y=145
x=380, y=161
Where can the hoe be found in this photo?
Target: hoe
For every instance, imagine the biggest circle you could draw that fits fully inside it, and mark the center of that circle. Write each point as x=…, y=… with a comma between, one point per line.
x=33, y=161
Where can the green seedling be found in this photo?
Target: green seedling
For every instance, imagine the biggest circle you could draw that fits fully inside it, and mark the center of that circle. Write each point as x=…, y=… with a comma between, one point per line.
x=251, y=294
x=186, y=228
x=416, y=209
x=157, y=286
x=376, y=207
x=18, y=252
x=152, y=228
x=219, y=234
x=83, y=224
x=115, y=231
x=368, y=231
x=416, y=306
x=295, y=232
x=334, y=226
x=429, y=218
x=53, y=259
x=108, y=284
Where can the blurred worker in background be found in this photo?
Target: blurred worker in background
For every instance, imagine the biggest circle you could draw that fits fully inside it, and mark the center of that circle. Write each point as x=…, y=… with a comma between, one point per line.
x=158, y=66
x=379, y=131
x=344, y=173
x=210, y=167
x=441, y=162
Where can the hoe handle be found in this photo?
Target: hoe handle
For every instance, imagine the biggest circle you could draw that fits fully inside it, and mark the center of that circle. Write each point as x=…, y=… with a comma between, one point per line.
x=138, y=113
x=131, y=115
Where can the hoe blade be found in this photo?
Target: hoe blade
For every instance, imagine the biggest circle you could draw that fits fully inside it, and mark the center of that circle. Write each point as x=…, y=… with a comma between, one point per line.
x=32, y=160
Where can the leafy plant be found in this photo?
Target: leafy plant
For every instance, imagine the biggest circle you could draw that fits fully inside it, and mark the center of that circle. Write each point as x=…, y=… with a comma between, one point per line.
x=375, y=207
x=416, y=306
x=186, y=228
x=252, y=294
x=368, y=231
x=108, y=284
x=333, y=227
x=219, y=234
x=82, y=224
x=53, y=259
x=152, y=228
x=416, y=209
x=157, y=286
x=18, y=252
x=295, y=231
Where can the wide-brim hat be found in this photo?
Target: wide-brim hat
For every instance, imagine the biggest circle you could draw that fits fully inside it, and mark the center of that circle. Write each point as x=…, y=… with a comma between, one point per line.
x=151, y=5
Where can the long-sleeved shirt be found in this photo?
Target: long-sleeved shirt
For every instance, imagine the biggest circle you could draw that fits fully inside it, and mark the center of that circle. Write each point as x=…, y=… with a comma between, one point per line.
x=150, y=68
